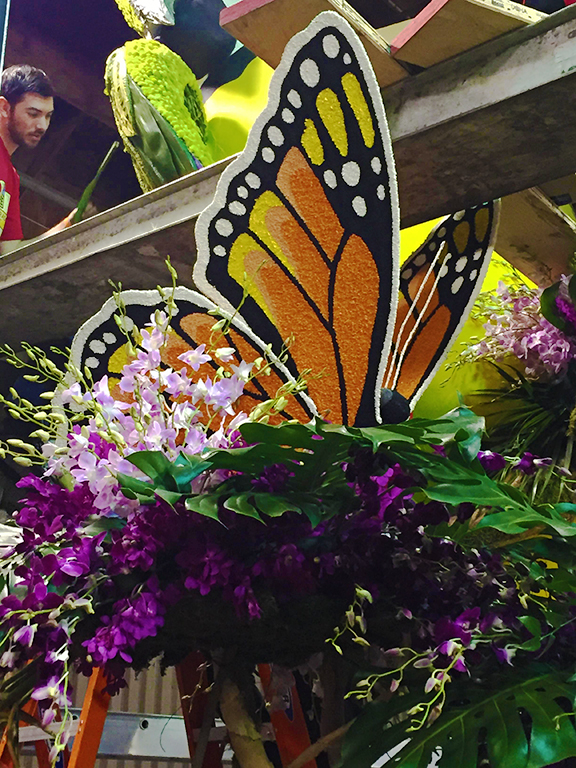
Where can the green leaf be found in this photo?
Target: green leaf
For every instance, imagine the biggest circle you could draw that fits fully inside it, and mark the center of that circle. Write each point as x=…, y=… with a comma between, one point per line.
x=242, y=506
x=572, y=289
x=475, y=718
x=155, y=465
x=187, y=468
x=164, y=155
x=132, y=487
x=206, y=505
x=274, y=506
x=548, y=306
x=101, y=524
x=534, y=627
x=87, y=194
x=171, y=497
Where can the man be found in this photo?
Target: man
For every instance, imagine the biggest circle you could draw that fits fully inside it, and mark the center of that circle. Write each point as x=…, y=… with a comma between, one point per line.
x=26, y=107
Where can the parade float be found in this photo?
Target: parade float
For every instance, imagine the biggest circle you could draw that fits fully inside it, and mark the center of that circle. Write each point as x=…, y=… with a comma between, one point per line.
x=233, y=470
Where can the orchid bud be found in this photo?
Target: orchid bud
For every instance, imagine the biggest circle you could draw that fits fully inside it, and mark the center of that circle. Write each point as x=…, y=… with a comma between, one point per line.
x=47, y=395
x=23, y=461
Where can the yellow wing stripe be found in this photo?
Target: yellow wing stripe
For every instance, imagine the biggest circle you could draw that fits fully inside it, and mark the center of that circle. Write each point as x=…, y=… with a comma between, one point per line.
x=311, y=143
x=259, y=216
x=353, y=91
x=246, y=257
x=331, y=114
x=481, y=222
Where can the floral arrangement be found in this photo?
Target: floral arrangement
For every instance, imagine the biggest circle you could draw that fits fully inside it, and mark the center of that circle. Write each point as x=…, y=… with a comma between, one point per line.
x=530, y=338
x=160, y=519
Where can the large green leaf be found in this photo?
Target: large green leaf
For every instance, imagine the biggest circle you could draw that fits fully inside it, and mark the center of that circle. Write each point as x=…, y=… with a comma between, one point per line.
x=164, y=155
x=548, y=306
x=512, y=724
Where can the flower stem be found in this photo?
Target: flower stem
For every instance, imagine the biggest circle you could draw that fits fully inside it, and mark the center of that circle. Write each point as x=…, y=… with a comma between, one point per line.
x=244, y=737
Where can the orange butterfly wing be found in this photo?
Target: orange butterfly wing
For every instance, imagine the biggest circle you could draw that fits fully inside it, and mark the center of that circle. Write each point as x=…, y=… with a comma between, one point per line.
x=438, y=285
x=101, y=346
x=303, y=227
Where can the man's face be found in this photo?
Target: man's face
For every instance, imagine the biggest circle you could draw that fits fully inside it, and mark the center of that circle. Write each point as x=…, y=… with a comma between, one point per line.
x=29, y=119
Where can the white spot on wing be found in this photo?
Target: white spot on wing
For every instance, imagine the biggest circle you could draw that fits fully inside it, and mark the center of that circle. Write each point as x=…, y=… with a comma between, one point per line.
x=276, y=136
x=457, y=284
x=237, y=208
x=219, y=250
x=224, y=227
x=253, y=181
x=381, y=191
x=331, y=46
x=420, y=259
x=473, y=274
x=330, y=179
x=461, y=263
x=359, y=205
x=92, y=362
x=458, y=215
x=376, y=164
x=109, y=338
x=287, y=115
x=477, y=254
x=407, y=274
x=242, y=192
x=294, y=98
x=268, y=155
x=351, y=173
x=347, y=58
x=97, y=346
x=309, y=73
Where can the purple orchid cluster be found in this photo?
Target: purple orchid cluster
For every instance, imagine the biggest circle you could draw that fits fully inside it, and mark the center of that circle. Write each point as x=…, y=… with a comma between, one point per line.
x=89, y=597
x=517, y=328
x=101, y=577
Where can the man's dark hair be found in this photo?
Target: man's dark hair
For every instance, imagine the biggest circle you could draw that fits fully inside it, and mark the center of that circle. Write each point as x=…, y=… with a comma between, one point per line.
x=21, y=79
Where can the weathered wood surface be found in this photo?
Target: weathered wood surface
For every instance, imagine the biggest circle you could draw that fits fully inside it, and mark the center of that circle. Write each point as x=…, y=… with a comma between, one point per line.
x=265, y=26
x=72, y=82
x=445, y=28
x=49, y=288
x=536, y=237
x=490, y=122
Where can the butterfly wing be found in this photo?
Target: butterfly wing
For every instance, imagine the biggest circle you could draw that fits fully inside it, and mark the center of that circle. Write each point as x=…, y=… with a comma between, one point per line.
x=302, y=233
x=438, y=285
x=100, y=346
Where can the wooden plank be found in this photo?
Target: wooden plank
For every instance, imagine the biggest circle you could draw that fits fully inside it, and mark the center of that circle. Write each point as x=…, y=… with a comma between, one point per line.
x=445, y=28
x=79, y=87
x=490, y=122
x=265, y=26
x=535, y=236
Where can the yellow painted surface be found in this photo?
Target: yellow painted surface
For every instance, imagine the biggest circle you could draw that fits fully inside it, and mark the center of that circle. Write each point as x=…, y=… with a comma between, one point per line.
x=232, y=109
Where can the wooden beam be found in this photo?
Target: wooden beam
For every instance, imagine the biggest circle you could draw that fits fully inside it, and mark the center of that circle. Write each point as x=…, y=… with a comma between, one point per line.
x=490, y=122
x=535, y=236
x=72, y=82
x=445, y=28
x=265, y=26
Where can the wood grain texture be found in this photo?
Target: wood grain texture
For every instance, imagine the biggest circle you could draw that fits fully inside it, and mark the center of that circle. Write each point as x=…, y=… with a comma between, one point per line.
x=535, y=236
x=265, y=26
x=72, y=82
x=445, y=28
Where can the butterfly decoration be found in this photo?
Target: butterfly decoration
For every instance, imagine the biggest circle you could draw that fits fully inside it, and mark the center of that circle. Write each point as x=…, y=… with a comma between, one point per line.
x=302, y=240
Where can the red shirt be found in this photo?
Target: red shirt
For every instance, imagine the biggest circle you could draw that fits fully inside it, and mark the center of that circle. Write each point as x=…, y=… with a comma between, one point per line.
x=10, y=224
